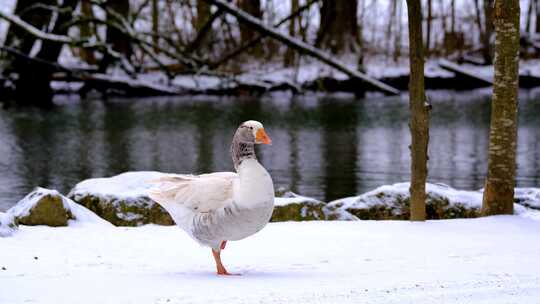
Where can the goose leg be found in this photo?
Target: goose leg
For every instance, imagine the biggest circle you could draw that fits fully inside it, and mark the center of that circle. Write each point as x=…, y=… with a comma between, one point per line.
x=219, y=266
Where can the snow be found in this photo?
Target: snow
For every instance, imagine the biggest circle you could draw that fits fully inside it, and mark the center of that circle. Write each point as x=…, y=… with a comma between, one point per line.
x=7, y=226
x=7, y=6
x=529, y=197
x=82, y=215
x=446, y=261
x=292, y=198
x=127, y=186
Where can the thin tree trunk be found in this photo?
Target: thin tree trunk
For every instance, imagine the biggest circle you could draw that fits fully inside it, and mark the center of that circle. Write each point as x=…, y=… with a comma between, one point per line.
x=419, y=122
x=87, y=31
x=155, y=23
x=397, y=38
x=488, y=31
x=117, y=39
x=453, y=16
x=537, y=6
x=252, y=7
x=290, y=55
x=478, y=20
x=499, y=189
x=428, y=26
x=528, y=18
x=389, y=28
x=32, y=84
x=203, y=14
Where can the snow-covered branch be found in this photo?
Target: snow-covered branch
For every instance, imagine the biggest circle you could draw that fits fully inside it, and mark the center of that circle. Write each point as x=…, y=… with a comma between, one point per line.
x=34, y=31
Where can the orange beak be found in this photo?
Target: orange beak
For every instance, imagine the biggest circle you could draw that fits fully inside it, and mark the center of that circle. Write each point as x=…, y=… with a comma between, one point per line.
x=262, y=138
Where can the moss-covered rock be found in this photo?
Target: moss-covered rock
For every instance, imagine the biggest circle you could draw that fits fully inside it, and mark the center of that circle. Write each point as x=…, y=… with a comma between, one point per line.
x=122, y=199
x=293, y=207
x=119, y=211
x=392, y=203
x=42, y=207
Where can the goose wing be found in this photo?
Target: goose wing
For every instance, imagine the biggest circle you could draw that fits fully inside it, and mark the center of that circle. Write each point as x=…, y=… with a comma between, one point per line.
x=199, y=193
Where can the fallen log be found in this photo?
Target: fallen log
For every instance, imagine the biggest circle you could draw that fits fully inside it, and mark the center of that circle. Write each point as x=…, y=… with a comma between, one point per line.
x=300, y=46
x=463, y=72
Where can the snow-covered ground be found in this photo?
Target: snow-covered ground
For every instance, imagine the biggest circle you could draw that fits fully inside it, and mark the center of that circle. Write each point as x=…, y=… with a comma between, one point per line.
x=486, y=260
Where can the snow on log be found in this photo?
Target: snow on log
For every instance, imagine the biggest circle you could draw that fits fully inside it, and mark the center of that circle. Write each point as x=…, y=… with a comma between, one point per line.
x=300, y=46
x=461, y=71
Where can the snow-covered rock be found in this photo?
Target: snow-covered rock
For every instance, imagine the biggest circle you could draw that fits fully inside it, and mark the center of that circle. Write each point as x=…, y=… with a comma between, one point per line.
x=293, y=207
x=392, y=202
x=48, y=207
x=8, y=224
x=42, y=207
x=123, y=201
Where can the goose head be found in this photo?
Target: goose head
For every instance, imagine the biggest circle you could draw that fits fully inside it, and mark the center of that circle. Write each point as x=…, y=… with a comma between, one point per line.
x=247, y=135
x=252, y=132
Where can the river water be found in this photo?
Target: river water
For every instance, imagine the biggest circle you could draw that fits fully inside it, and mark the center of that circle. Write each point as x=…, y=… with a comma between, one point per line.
x=326, y=147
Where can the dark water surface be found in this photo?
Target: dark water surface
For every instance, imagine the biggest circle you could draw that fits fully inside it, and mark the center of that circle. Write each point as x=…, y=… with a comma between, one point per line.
x=325, y=147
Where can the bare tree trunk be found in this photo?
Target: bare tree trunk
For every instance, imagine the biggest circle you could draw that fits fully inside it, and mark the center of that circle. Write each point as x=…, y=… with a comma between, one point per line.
x=487, y=50
x=419, y=122
x=537, y=6
x=499, y=190
x=252, y=7
x=528, y=18
x=203, y=14
x=389, y=28
x=155, y=23
x=87, y=31
x=338, y=31
x=32, y=84
x=397, y=38
x=478, y=20
x=117, y=39
x=453, y=16
x=428, y=26
x=294, y=26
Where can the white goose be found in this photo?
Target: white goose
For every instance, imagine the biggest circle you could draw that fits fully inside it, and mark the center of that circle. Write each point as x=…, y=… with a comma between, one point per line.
x=224, y=206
